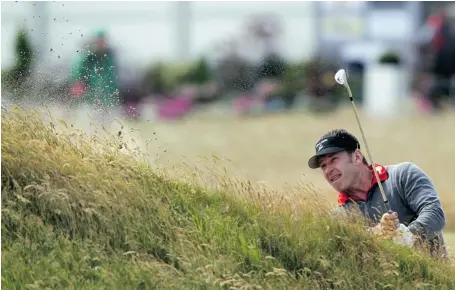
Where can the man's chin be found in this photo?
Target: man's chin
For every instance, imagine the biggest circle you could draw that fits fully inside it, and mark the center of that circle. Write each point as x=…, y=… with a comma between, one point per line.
x=338, y=187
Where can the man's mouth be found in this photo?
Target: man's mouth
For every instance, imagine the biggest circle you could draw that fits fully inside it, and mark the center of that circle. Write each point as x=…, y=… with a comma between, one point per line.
x=335, y=178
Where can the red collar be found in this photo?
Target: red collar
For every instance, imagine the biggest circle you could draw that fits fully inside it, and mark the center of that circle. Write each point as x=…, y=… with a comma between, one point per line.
x=383, y=175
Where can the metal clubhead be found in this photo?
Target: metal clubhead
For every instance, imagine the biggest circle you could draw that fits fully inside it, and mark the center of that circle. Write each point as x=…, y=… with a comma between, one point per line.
x=341, y=77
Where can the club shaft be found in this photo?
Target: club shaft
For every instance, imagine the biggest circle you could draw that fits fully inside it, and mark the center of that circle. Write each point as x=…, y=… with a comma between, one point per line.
x=384, y=197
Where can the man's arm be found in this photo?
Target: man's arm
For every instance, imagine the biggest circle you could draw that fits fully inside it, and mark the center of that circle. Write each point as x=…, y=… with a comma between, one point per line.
x=422, y=198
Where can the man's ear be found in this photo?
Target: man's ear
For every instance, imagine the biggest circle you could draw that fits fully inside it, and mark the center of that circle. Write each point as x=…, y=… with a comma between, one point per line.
x=358, y=157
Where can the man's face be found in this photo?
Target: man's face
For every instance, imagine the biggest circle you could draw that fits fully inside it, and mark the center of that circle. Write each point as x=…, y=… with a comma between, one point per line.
x=340, y=169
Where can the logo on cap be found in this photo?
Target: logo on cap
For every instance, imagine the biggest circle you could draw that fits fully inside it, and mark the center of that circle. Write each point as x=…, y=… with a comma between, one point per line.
x=320, y=145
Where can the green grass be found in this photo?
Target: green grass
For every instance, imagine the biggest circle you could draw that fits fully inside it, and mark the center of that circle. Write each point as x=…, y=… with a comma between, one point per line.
x=78, y=212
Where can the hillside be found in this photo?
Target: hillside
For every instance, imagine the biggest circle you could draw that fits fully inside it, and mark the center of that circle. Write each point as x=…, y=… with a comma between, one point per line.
x=80, y=212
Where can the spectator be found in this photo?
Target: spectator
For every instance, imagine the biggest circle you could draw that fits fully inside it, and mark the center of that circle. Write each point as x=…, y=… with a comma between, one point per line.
x=97, y=78
x=439, y=35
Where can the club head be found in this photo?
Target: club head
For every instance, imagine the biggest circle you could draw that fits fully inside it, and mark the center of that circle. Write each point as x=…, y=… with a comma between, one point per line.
x=341, y=77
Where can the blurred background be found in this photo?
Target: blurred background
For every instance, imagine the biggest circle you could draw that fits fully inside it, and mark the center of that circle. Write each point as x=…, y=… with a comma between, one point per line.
x=249, y=81
x=166, y=60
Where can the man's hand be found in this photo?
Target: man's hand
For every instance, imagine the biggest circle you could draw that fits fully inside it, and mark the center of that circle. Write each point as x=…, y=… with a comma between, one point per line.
x=389, y=224
x=400, y=235
x=376, y=230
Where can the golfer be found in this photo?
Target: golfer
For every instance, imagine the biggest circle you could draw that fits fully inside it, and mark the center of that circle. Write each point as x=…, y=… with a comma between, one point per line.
x=410, y=192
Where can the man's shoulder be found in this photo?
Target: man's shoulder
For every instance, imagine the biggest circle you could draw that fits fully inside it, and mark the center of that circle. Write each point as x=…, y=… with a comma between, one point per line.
x=406, y=172
x=402, y=167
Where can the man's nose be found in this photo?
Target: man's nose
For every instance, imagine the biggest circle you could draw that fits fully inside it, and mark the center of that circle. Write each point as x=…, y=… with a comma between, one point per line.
x=327, y=170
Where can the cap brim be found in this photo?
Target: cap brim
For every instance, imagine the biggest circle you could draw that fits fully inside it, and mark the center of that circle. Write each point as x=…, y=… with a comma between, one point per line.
x=313, y=163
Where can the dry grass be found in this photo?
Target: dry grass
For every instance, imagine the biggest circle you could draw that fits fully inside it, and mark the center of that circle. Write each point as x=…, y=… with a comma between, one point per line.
x=275, y=149
x=80, y=213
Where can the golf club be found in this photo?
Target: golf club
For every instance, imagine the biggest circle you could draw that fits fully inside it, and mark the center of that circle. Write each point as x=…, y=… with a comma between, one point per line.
x=341, y=78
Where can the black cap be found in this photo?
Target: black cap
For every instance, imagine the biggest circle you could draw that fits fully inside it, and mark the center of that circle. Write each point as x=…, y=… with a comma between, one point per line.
x=331, y=145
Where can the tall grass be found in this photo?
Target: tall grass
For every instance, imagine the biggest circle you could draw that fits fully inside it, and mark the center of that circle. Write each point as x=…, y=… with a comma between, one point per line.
x=83, y=212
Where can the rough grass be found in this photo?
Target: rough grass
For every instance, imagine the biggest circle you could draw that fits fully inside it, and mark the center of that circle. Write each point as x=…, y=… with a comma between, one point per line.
x=275, y=148
x=78, y=212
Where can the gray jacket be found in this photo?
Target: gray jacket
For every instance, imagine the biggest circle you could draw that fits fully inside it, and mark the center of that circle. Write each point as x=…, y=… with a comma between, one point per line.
x=412, y=194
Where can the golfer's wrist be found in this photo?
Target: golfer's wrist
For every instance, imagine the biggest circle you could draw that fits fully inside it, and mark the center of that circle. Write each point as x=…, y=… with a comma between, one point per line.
x=416, y=230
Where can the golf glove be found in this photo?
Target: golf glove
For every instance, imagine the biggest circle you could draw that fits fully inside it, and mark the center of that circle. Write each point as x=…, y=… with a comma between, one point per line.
x=404, y=236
